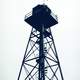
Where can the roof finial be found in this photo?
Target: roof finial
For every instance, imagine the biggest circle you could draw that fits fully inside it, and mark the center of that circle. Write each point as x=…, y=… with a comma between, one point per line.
x=44, y=2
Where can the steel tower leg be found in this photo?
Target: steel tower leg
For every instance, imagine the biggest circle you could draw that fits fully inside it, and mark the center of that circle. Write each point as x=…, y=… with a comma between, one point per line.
x=57, y=56
x=24, y=57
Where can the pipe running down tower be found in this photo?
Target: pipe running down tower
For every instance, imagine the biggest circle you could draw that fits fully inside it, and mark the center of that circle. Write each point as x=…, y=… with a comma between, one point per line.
x=41, y=60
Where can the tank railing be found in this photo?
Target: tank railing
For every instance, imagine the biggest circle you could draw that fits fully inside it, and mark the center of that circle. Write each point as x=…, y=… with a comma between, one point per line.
x=28, y=15
x=54, y=16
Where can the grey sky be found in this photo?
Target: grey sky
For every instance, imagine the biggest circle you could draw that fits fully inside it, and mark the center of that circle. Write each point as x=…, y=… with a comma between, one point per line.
x=14, y=34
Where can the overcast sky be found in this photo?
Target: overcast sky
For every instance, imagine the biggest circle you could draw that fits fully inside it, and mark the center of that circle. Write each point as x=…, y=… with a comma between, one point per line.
x=14, y=34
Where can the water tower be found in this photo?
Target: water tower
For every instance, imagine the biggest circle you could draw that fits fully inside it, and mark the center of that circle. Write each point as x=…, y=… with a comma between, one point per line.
x=40, y=61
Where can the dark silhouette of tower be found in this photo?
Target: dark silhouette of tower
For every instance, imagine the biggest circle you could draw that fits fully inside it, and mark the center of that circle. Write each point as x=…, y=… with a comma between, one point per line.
x=41, y=60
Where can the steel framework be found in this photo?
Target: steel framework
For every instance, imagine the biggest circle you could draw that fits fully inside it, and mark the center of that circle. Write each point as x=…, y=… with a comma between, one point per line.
x=40, y=60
